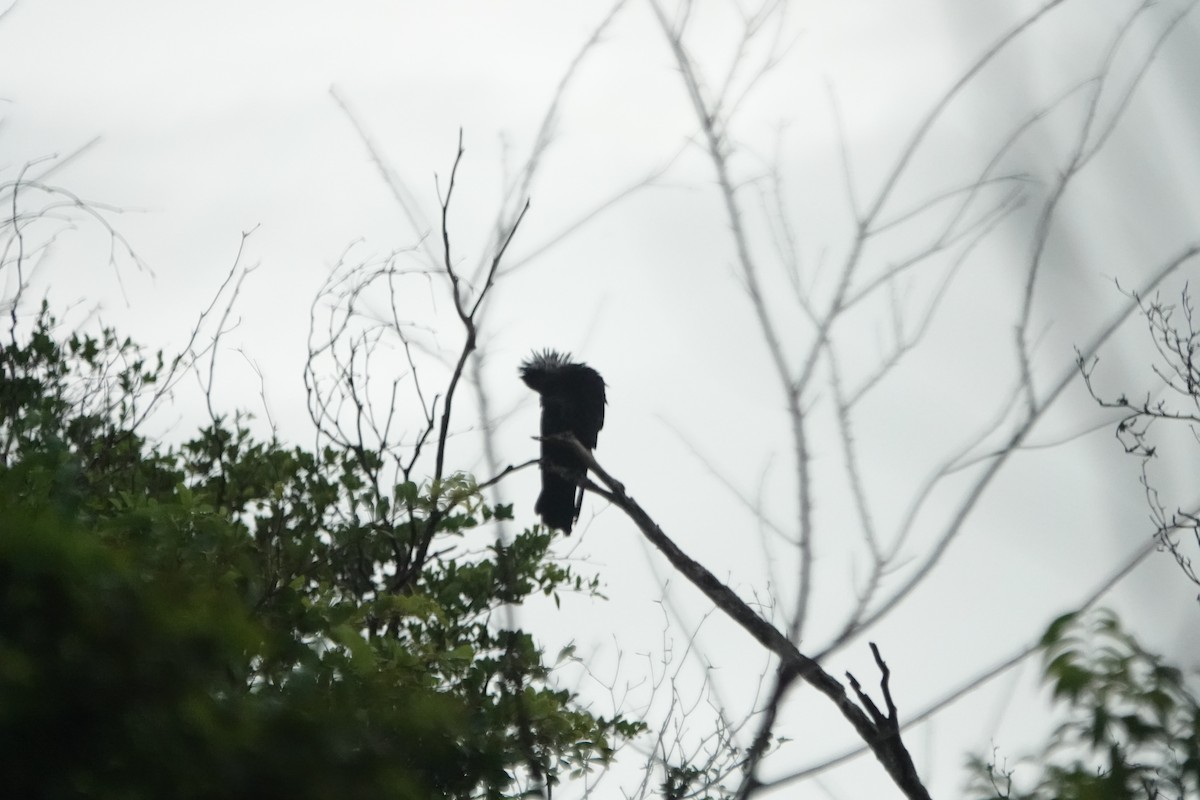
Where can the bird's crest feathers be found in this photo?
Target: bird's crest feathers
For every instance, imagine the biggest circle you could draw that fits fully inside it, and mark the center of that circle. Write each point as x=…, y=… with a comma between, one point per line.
x=546, y=360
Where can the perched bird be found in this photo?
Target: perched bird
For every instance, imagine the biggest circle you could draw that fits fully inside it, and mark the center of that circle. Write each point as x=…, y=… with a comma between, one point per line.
x=572, y=402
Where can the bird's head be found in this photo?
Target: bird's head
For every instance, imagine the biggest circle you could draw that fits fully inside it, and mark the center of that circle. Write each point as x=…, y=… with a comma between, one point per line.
x=542, y=369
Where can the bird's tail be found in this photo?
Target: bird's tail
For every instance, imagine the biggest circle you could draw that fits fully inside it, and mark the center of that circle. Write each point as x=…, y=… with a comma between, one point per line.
x=556, y=503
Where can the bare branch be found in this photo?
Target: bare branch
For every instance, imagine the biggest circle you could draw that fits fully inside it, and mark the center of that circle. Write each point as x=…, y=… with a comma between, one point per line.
x=1002, y=455
x=885, y=743
x=979, y=680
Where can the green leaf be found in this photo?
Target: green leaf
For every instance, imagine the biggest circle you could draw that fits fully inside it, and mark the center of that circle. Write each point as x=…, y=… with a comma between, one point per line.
x=1056, y=628
x=352, y=640
x=406, y=493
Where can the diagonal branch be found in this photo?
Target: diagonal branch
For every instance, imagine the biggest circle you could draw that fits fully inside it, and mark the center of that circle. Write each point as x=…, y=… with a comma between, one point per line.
x=884, y=741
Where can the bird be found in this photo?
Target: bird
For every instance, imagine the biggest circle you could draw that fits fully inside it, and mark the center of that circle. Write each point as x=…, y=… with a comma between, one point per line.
x=572, y=397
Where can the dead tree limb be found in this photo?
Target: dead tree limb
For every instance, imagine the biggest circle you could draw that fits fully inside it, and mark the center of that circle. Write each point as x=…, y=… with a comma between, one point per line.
x=880, y=733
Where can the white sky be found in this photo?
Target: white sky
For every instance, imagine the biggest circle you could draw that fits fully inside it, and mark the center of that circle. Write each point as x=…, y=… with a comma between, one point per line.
x=217, y=118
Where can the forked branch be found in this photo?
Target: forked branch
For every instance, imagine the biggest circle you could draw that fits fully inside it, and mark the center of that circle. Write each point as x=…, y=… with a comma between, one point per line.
x=882, y=737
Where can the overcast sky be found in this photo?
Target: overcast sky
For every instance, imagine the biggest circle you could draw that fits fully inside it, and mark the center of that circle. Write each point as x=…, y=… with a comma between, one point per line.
x=203, y=121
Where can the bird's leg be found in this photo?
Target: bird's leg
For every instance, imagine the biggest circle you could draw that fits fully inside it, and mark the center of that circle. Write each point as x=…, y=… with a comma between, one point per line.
x=578, y=501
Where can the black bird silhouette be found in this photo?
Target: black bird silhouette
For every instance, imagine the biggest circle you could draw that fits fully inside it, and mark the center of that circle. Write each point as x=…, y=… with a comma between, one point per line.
x=572, y=402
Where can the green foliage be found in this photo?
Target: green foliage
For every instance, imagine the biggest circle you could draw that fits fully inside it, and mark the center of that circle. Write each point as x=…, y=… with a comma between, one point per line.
x=123, y=676
x=1132, y=727
x=232, y=616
